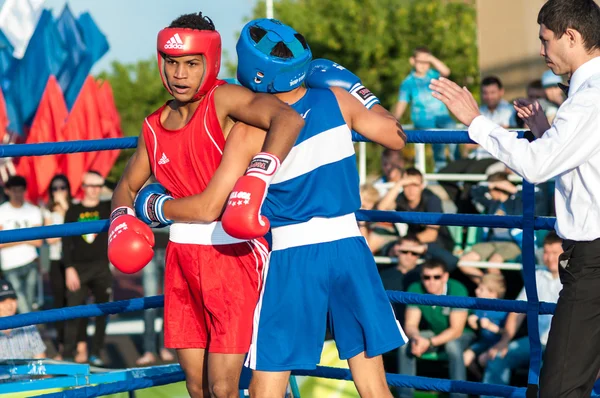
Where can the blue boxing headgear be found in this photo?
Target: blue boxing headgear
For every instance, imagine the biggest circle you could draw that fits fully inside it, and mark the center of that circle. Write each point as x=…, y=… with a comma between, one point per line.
x=260, y=70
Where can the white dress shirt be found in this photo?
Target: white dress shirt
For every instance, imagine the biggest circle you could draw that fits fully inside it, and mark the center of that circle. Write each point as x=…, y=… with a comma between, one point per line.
x=569, y=150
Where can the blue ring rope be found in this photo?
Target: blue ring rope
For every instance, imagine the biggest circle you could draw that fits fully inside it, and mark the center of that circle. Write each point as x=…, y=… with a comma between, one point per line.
x=54, y=148
x=419, y=382
x=81, y=311
x=472, y=303
x=120, y=386
x=89, y=227
x=137, y=304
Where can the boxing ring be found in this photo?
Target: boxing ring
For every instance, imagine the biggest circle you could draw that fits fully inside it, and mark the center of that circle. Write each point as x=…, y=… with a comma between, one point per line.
x=98, y=382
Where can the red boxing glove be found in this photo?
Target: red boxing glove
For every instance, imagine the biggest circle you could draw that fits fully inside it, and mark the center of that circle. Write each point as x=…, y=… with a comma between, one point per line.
x=242, y=218
x=130, y=241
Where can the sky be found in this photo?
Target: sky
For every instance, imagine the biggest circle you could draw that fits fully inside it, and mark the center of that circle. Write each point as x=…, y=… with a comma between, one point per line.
x=131, y=26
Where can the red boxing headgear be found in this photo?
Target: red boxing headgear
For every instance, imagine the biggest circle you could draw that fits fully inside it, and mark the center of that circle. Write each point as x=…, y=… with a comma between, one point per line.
x=178, y=42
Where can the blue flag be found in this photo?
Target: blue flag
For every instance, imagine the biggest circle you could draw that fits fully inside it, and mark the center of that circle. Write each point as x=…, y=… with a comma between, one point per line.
x=6, y=57
x=44, y=56
x=96, y=46
x=76, y=49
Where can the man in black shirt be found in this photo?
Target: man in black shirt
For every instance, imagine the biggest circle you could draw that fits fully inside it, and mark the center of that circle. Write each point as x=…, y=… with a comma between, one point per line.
x=86, y=263
x=408, y=250
x=415, y=197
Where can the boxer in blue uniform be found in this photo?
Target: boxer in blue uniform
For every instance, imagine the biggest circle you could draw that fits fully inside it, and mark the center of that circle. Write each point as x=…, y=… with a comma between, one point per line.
x=320, y=266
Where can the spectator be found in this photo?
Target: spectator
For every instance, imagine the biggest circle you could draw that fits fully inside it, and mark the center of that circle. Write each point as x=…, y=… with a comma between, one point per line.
x=444, y=327
x=86, y=267
x=426, y=111
x=59, y=201
x=489, y=324
x=535, y=91
x=375, y=234
x=509, y=353
x=553, y=95
x=494, y=106
x=20, y=343
x=478, y=161
x=19, y=259
x=500, y=244
x=415, y=197
x=392, y=168
x=409, y=252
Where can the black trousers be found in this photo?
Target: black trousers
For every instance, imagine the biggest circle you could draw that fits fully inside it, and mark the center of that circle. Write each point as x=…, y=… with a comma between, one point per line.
x=59, y=295
x=97, y=279
x=572, y=357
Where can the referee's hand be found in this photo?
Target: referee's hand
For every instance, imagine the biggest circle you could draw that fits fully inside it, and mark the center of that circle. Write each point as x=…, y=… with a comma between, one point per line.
x=533, y=115
x=459, y=100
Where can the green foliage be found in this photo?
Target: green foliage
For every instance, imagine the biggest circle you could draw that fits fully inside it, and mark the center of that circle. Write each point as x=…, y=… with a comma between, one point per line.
x=138, y=92
x=375, y=39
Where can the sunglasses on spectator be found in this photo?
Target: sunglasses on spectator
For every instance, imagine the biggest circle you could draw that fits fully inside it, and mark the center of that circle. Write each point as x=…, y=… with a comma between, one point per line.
x=429, y=277
x=59, y=188
x=408, y=252
x=93, y=185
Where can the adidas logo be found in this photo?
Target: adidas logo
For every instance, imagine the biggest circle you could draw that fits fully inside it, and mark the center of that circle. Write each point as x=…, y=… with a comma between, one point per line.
x=175, y=42
x=163, y=159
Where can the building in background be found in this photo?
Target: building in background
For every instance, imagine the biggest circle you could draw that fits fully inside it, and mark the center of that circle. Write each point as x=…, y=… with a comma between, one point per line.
x=508, y=41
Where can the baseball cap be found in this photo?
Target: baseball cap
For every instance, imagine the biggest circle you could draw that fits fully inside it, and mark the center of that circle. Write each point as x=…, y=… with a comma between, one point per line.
x=550, y=79
x=6, y=290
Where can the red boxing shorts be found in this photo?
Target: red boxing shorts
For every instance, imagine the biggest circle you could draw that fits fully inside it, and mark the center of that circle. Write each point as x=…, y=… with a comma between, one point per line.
x=211, y=292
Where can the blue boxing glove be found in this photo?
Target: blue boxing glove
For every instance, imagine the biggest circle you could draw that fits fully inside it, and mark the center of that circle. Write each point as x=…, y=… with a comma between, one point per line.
x=323, y=73
x=149, y=203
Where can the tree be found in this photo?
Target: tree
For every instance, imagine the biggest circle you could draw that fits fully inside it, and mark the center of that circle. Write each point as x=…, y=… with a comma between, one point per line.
x=138, y=92
x=375, y=39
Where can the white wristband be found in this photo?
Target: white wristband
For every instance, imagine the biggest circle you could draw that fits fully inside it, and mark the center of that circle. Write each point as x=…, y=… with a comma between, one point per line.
x=264, y=166
x=121, y=211
x=364, y=95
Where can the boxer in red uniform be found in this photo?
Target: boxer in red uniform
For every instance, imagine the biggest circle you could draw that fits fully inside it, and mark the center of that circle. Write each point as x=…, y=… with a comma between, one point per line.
x=212, y=280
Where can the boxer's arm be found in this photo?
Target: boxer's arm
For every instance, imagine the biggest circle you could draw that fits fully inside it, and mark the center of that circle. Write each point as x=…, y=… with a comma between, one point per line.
x=264, y=111
x=134, y=177
x=243, y=142
x=376, y=124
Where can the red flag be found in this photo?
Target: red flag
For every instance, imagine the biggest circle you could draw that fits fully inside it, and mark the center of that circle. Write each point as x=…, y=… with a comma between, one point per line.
x=47, y=126
x=111, y=128
x=83, y=124
x=5, y=138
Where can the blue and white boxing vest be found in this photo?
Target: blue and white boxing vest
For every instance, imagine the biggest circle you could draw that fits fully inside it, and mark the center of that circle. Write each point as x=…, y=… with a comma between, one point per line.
x=319, y=177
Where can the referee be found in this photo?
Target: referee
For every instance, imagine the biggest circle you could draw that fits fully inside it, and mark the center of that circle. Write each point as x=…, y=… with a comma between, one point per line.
x=570, y=151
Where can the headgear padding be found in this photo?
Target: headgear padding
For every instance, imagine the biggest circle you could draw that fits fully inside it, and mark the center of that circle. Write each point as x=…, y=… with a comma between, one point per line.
x=260, y=70
x=179, y=42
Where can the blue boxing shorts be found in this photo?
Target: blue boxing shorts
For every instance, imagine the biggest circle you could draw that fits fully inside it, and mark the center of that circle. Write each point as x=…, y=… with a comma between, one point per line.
x=320, y=270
